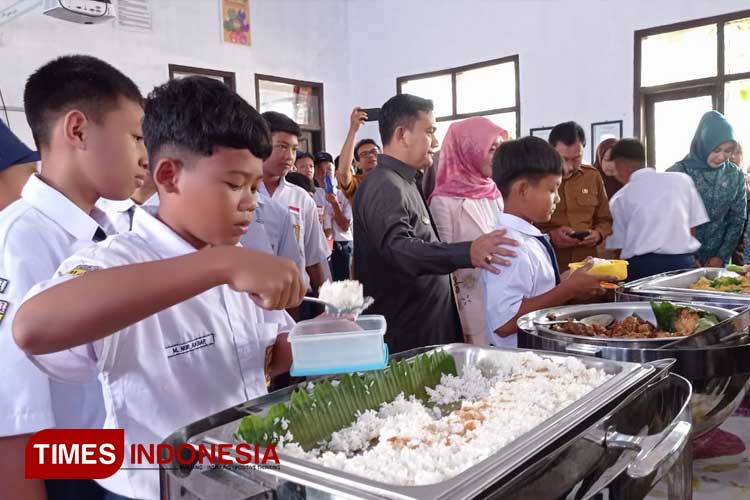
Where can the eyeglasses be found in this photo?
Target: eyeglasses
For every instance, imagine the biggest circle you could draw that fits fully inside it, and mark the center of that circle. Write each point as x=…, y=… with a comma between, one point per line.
x=369, y=152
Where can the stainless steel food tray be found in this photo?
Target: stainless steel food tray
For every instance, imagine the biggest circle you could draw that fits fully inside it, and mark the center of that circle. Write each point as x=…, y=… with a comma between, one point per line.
x=619, y=311
x=501, y=467
x=675, y=285
x=719, y=374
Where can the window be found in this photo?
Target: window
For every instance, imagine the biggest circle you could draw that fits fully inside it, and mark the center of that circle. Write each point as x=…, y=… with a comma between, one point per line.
x=484, y=89
x=226, y=77
x=301, y=101
x=671, y=95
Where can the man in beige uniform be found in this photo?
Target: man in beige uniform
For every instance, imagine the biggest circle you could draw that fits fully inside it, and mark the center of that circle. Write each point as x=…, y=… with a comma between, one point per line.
x=583, y=206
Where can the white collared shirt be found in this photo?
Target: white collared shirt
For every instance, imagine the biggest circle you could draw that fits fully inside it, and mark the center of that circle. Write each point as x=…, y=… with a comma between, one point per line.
x=529, y=274
x=271, y=232
x=120, y=212
x=175, y=367
x=304, y=213
x=654, y=212
x=346, y=209
x=325, y=211
x=39, y=231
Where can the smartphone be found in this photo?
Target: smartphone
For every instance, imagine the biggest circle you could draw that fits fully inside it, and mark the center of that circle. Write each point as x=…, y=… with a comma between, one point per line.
x=373, y=114
x=329, y=184
x=579, y=235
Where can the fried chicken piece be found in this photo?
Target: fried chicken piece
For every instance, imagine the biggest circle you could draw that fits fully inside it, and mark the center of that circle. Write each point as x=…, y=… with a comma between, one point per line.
x=686, y=323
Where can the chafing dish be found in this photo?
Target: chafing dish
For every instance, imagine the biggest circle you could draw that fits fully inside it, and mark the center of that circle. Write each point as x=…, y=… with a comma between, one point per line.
x=623, y=436
x=675, y=286
x=719, y=374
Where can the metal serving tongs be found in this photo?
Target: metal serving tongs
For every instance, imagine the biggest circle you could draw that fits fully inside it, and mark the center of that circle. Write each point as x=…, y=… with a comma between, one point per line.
x=730, y=330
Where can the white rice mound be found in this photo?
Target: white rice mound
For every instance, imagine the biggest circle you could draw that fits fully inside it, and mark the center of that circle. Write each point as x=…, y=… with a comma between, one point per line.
x=407, y=443
x=346, y=294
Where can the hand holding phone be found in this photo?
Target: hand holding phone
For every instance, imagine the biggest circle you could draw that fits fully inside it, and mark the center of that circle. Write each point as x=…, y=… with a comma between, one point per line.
x=579, y=235
x=373, y=114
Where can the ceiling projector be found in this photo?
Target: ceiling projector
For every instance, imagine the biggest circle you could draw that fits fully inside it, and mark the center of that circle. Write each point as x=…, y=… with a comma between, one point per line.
x=78, y=11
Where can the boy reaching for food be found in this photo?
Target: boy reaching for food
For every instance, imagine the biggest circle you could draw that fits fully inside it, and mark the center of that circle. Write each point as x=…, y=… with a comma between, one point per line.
x=528, y=172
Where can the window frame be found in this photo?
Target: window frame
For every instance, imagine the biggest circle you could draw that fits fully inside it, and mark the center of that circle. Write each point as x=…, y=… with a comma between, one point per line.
x=645, y=97
x=299, y=83
x=230, y=79
x=452, y=72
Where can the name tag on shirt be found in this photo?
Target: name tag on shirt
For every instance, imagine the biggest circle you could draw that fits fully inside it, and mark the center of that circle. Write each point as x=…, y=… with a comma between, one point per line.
x=190, y=345
x=3, y=307
x=3, y=284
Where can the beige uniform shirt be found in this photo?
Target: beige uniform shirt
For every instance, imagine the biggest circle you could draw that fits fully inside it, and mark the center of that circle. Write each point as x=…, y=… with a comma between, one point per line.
x=583, y=206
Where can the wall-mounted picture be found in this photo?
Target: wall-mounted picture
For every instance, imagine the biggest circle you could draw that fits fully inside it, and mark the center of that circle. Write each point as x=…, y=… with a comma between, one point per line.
x=235, y=21
x=541, y=132
x=226, y=77
x=604, y=130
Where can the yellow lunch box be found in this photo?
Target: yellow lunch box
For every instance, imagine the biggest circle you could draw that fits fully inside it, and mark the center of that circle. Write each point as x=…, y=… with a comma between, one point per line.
x=604, y=267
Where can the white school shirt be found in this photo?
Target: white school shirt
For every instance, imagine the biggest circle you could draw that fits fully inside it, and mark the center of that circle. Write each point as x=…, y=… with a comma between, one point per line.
x=654, y=212
x=39, y=231
x=346, y=208
x=120, y=212
x=324, y=208
x=304, y=213
x=271, y=232
x=177, y=366
x=530, y=274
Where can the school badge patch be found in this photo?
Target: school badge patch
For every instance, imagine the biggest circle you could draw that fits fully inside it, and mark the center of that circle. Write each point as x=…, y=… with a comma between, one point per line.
x=3, y=307
x=81, y=270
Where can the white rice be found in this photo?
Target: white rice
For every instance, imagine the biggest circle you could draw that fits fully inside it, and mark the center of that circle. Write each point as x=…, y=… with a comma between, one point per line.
x=346, y=294
x=416, y=445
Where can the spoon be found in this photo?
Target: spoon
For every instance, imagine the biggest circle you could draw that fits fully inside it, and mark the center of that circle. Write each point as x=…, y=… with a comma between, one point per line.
x=334, y=310
x=603, y=320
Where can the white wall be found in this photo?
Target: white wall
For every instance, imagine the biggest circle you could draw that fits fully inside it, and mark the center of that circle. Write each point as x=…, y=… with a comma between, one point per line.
x=576, y=56
x=286, y=41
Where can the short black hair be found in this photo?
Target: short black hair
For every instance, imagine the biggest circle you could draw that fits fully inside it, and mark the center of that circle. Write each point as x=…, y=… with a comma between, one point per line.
x=278, y=122
x=198, y=114
x=529, y=158
x=401, y=110
x=302, y=181
x=567, y=133
x=628, y=149
x=74, y=82
x=364, y=142
x=304, y=154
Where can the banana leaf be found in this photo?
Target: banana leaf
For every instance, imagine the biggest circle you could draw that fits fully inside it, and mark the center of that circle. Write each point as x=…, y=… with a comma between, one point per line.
x=312, y=418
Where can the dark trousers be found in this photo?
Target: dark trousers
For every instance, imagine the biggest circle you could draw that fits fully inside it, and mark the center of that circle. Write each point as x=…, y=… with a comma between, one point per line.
x=73, y=489
x=341, y=259
x=115, y=496
x=642, y=266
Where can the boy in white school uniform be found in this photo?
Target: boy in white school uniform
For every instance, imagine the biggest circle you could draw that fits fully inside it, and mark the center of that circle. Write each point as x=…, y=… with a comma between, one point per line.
x=528, y=173
x=340, y=223
x=85, y=117
x=654, y=214
x=177, y=279
x=271, y=231
x=302, y=208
